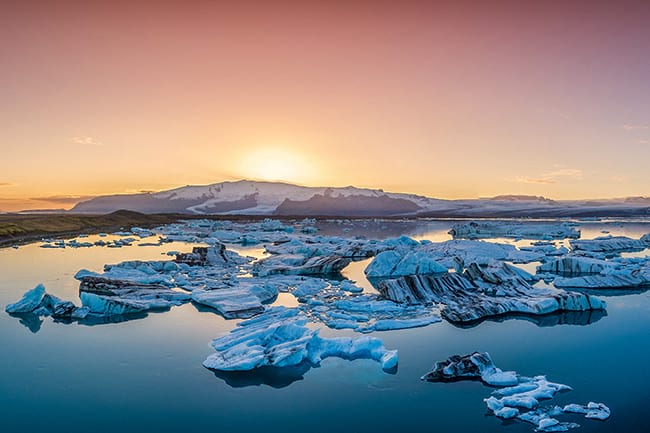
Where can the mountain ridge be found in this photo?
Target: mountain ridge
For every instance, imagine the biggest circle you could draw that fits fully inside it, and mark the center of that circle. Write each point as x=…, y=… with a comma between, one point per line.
x=247, y=197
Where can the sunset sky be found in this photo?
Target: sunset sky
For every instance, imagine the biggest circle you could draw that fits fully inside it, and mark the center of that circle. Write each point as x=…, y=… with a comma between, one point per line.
x=446, y=99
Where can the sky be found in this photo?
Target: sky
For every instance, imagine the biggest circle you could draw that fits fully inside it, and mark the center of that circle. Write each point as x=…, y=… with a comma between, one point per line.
x=445, y=99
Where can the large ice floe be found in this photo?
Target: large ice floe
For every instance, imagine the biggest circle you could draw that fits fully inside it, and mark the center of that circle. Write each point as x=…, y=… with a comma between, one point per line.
x=293, y=264
x=37, y=302
x=484, y=291
x=513, y=229
x=399, y=262
x=280, y=338
x=517, y=397
x=576, y=271
x=449, y=253
x=608, y=244
x=244, y=299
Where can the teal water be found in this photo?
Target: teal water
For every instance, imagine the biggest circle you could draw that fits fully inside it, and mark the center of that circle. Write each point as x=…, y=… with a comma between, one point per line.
x=146, y=375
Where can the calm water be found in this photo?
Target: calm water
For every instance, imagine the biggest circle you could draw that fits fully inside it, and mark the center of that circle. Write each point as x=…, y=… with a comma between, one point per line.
x=146, y=375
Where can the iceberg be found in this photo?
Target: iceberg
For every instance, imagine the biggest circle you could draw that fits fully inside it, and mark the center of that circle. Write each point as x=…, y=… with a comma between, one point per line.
x=450, y=253
x=516, y=396
x=216, y=255
x=37, y=302
x=280, y=338
x=574, y=266
x=243, y=300
x=591, y=410
x=292, y=264
x=401, y=262
x=149, y=296
x=107, y=306
x=482, y=292
x=517, y=230
x=616, y=280
x=30, y=301
x=608, y=244
x=474, y=366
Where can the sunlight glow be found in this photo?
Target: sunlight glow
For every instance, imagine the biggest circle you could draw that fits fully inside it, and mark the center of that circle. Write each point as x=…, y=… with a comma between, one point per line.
x=276, y=164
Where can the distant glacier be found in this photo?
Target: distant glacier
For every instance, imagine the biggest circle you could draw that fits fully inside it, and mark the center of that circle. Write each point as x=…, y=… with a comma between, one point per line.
x=247, y=197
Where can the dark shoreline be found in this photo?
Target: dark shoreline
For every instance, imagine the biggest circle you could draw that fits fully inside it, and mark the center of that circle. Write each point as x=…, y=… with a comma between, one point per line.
x=19, y=229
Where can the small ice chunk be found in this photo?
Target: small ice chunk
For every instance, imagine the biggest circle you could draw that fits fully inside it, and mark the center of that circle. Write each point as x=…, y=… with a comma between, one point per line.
x=591, y=410
x=506, y=412
x=109, y=306
x=30, y=301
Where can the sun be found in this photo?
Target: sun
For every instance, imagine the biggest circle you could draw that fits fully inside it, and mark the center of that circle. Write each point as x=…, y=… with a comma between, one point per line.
x=276, y=164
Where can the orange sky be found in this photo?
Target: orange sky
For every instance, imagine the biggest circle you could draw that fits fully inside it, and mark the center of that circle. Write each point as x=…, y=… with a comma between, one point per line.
x=447, y=99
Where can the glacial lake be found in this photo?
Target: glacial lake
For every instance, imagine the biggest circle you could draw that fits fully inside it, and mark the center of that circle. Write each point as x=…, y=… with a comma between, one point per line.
x=146, y=375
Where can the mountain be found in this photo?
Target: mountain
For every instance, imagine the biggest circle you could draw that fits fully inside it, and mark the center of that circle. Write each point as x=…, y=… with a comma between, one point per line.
x=263, y=198
x=247, y=197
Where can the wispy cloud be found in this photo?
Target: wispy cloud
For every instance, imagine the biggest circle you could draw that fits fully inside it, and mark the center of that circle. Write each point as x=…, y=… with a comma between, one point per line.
x=629, y=127
x=87, y=141
x=6, y=184
x=62, y=199
x=539, y=180
x=552, y=177
x=572, y=173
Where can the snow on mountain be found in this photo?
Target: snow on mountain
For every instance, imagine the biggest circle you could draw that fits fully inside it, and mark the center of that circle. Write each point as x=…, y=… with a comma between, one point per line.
x=263, y=198
x=247, y=197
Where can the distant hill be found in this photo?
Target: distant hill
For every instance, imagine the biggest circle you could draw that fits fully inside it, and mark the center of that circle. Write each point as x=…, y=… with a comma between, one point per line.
x=247, y=197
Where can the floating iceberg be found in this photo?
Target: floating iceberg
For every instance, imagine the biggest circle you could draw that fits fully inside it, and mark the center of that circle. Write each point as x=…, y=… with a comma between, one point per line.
x=280, y=338
x=613, y=280
x=482, y=292
x=450, y=253
x=401, y=262
x=216, y=255
x=242, y=300
x=591, y=410
x=109, y=306
x=608, y=244
x=518, y=397
x=146, y=296
x=37, y=302
x=474, y=366
x=291, y=264
x=30, y=301
x=574, y=266
x=517, y=230
x=342, y=305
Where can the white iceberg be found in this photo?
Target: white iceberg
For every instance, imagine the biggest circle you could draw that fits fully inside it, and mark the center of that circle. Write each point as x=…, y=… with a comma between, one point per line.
x=401, y=262
x=30, y=301
x=608, y=244
x=517, y=397
x=481, y=292
x=513, y=229
x=591, y=410
x=280, y=338
x=242, y=300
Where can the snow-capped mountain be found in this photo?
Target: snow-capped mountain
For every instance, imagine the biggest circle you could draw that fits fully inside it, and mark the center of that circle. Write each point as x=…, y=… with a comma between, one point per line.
x=247, y=197
x=264, y=198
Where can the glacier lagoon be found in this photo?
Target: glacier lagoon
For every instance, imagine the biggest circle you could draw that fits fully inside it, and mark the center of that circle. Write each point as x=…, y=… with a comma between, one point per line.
x=147, y=374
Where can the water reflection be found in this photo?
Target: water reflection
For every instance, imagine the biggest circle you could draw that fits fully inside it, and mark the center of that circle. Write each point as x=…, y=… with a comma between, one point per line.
x=613, y=292
x=34, y=322
x=275, y=377
x=29, y=321
x=579, y=318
